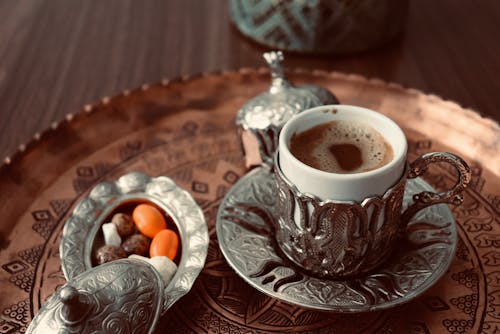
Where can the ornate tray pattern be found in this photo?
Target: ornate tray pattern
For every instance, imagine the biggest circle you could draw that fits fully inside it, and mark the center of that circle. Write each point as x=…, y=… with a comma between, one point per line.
x=184, y=129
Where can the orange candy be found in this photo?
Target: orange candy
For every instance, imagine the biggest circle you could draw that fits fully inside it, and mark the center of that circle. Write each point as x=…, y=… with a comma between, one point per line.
x=165, y=243
x=149, y=220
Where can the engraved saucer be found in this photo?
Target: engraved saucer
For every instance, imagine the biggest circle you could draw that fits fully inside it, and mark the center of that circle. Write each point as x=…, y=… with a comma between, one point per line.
x=245, y=234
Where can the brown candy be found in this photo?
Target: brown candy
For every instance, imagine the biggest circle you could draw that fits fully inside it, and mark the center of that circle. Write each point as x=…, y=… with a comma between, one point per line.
x=110, y=253
x=137, y=244
x=124, y=224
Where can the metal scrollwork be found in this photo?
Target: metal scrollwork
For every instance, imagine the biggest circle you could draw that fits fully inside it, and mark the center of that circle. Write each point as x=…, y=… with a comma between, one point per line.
x=426, y=198
x=82, y=226
x=337, y=238
x=246, y=234
x=123, y=296
x=264, y=115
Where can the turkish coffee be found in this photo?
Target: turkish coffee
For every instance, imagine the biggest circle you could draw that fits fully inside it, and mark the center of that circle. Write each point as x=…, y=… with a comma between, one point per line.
x=342, y=146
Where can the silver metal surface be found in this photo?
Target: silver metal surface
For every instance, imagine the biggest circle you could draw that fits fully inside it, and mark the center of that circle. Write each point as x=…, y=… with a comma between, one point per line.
x=336, y=238
x=245, y=231
x=323, y=94
x=123, y=296
x=265, y=114
x=345, y=238
x=453, y=196
x=83, y=226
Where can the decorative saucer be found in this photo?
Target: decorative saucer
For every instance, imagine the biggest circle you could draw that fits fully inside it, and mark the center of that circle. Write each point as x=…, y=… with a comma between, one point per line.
x=245, y=234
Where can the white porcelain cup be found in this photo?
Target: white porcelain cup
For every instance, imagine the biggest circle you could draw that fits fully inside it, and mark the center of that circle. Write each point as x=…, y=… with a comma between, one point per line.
x=344, y=187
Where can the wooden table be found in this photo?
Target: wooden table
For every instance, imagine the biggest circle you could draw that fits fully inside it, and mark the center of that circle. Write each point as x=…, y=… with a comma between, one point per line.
x=56, y=56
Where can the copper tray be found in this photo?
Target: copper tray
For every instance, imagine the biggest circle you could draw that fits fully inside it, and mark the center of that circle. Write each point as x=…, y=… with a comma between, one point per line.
x=184, y=129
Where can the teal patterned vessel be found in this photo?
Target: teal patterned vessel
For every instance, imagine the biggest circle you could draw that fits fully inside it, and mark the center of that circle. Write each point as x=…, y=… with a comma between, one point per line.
x=320, y=26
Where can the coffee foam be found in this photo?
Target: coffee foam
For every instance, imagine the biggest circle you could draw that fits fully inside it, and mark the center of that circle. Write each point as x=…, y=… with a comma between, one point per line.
x=312, y=146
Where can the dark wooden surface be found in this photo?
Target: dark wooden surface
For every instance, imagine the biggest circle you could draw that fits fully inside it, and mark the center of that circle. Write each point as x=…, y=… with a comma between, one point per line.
x=57, y=55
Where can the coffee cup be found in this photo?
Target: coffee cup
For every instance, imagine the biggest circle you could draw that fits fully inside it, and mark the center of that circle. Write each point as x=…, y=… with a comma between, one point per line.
x=341, y=173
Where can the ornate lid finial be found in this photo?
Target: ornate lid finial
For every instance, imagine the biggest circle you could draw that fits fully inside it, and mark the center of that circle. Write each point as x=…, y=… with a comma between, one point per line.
x=278, y=80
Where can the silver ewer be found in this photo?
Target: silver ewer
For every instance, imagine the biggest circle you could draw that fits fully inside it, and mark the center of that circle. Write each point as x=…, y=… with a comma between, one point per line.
x=345, y=238
x=261, y=119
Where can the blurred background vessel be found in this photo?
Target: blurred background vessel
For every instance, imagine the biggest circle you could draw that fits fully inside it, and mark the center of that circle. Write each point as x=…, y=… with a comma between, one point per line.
x=320, y=26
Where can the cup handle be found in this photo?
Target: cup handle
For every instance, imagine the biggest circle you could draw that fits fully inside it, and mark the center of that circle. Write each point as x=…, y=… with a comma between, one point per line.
x=428, y=198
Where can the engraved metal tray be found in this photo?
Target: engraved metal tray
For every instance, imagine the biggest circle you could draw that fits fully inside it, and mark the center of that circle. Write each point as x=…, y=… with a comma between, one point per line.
x=184, y=128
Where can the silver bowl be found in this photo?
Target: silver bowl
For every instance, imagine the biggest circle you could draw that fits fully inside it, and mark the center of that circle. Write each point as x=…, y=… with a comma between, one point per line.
x=82, y=230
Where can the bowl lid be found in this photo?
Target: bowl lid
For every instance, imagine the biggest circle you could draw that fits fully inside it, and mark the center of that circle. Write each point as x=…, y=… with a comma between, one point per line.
x=122, y=296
